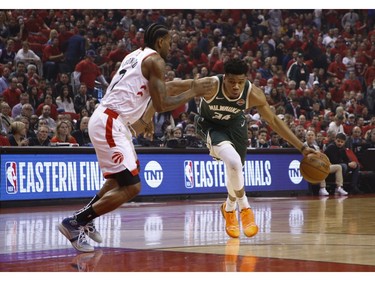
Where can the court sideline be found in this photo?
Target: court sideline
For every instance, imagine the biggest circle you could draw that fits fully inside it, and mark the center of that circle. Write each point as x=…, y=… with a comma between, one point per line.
x=296, y=234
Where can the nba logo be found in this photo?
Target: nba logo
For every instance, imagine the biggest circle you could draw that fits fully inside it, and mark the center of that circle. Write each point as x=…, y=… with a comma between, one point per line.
x=189, y=179
x=11, y=177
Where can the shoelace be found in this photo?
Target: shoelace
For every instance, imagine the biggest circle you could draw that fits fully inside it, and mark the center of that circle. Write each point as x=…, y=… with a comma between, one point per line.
x=232, y=218
x=82, y=236
x=248, y=217
x=90, y=228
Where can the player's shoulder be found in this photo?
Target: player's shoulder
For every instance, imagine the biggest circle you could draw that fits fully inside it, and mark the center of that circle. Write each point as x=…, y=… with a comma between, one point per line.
x=254, y=90
x=153, y=59
x=153, y=64
x=257, y=95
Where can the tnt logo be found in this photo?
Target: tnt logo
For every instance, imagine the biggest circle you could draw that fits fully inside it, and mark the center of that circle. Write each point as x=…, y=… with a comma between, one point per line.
x=189, y=177
x=153, y=174
x=11, y=186
x=294, y=172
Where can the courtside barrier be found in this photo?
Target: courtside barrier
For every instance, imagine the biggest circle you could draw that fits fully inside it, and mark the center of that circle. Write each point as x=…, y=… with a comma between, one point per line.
x=38, y=173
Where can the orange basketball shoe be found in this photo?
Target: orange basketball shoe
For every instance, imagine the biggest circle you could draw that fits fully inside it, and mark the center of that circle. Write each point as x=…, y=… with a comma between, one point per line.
x=231, y=223
x=248, y=222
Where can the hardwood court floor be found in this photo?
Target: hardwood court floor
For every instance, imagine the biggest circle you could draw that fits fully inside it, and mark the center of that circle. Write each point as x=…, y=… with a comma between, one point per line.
x=296, y=234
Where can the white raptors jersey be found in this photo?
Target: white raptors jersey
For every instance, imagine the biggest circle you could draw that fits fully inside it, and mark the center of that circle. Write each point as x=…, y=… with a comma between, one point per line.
x=128, y=93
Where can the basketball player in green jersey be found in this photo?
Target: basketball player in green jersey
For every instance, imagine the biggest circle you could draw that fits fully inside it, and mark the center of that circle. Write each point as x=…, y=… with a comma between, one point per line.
x=222, y=122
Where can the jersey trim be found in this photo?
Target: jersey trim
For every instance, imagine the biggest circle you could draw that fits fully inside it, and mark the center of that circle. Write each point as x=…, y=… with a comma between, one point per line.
x=248, y=95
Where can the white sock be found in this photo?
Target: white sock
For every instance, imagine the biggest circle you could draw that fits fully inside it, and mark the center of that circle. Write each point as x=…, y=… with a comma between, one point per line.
x=243, y=203
x=230, y=205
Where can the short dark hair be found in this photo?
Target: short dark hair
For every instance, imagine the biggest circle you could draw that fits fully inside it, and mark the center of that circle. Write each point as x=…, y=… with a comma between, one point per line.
x=236, y=66
x=153, y=32
x=341, y=136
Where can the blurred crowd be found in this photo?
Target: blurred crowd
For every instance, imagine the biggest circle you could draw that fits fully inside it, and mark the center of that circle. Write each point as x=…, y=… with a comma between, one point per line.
x=316, y=68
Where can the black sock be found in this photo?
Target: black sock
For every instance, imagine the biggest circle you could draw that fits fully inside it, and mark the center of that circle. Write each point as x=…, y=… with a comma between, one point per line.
x=92, y=201
x=85, y=215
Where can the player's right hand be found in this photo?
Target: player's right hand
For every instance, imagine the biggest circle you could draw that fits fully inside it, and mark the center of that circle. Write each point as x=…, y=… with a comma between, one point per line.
x=203, y=86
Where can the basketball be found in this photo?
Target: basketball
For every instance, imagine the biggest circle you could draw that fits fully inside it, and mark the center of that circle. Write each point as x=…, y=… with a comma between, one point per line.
x=315, y=167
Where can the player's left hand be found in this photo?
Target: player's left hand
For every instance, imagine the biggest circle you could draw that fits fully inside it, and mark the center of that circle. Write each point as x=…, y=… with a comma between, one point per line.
x=308, y=150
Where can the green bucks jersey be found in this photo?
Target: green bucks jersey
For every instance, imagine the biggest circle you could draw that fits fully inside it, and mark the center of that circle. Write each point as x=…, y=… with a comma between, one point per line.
x=224, y=118
x=222, y=110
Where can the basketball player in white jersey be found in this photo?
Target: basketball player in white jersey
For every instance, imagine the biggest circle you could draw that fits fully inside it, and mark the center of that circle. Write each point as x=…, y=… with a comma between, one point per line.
x=137, y=90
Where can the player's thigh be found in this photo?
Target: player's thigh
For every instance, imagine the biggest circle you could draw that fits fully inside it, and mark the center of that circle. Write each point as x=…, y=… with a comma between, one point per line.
x=113, y=145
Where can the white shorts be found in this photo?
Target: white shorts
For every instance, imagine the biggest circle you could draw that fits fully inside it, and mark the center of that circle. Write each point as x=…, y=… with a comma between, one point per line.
x=112, y=141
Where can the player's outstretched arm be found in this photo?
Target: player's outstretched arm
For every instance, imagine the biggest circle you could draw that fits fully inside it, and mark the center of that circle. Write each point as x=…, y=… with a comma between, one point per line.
x=168, y=99
x=258, y=99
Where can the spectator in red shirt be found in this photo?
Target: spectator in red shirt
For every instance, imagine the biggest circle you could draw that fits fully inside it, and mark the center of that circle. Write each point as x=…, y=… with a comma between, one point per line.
x=199, y=58
x=213, y=57
x=314, y=123
x=363, y=55
x=191, y=45
x=62, y=133
x=12, y=94
x=352, y=83
x=317, y=90
x=336, y=90
x=184, y=68
x=63, y=37
x=339, y=47
x=249, y=45
x=34, y=24
x=301, y=89
x=48, y=100
x=291, y=86
x=262, y=81
x=337, y=68
x=118, y=54
x=296, y=42
x=52, y=58
x=370, y=53
x=347, y=34
x=86, y=71
x=253, y=70
x=370, y=126
x=370, y=74
x=292, y=60
x=349, y=124
x=4, y=141
x=118, y=33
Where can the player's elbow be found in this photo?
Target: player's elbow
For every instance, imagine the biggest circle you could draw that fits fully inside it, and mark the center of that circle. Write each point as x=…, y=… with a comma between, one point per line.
x=166, y=103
